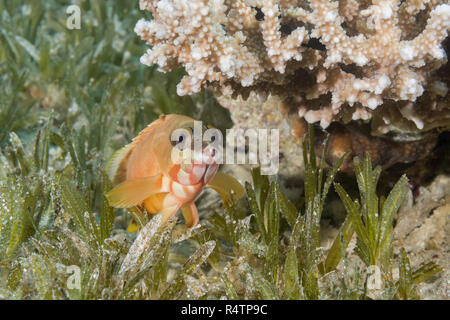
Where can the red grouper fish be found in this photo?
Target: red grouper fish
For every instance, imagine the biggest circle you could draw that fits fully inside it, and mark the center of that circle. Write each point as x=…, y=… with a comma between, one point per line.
x=144, y=173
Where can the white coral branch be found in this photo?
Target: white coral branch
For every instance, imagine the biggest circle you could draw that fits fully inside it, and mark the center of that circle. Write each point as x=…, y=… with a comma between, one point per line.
x=262, y=45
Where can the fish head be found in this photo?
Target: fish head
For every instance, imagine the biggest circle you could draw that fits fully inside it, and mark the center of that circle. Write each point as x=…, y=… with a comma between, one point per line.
x=194, y=156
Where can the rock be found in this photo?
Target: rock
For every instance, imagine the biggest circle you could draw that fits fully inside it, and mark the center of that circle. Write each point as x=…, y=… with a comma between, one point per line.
x=423, y=229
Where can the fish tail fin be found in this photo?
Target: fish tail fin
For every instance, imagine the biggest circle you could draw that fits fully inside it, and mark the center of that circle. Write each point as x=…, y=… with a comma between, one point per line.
x=132, y=226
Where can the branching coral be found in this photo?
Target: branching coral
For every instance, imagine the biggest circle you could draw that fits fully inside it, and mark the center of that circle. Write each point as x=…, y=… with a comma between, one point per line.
x=341, y=60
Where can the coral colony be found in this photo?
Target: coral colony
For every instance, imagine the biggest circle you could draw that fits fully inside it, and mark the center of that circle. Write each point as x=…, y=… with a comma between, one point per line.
x=337, y=60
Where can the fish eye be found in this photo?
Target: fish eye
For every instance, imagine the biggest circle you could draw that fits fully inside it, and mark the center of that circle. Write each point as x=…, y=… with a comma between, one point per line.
x=178, y=138
x=213, y=136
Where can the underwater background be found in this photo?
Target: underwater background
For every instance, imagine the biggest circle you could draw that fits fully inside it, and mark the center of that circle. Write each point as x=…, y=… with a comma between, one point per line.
x=69, y=98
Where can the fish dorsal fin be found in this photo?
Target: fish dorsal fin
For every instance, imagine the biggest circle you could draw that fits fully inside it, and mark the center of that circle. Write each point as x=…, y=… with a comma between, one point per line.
x=116, y=168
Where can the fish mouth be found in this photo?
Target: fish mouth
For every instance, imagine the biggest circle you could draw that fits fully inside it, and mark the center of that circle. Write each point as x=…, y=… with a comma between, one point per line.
x=203, y=168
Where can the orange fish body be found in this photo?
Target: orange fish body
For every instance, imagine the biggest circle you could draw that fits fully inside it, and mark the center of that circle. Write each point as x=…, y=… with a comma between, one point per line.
x=146, y=175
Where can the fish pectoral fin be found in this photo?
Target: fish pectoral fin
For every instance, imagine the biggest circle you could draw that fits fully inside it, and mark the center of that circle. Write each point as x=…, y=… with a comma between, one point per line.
x=132, y=192
x=190, y=214
x=168, y=212
x=226, y=186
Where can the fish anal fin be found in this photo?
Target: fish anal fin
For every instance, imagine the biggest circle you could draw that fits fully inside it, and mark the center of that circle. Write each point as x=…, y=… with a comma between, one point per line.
x=168, y=212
